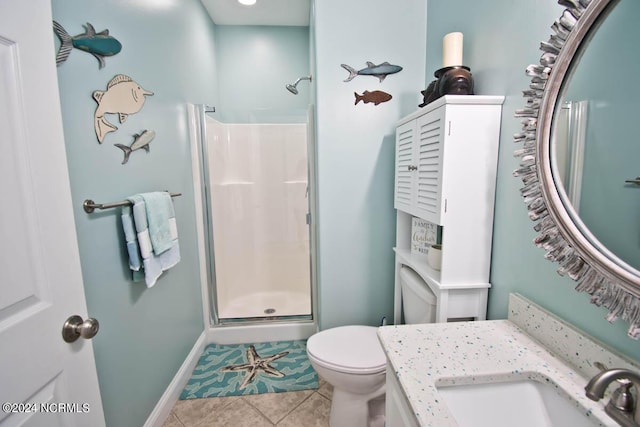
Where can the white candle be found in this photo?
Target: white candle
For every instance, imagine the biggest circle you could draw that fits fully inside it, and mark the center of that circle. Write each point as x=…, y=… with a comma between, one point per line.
x=452, y=50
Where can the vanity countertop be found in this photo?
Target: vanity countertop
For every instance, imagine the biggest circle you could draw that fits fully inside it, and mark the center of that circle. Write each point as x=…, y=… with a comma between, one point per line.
x=429, y=355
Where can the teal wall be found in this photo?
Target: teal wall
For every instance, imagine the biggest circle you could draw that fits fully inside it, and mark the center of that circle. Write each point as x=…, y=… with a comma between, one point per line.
x=254, y=65
x=501, y=38
x=355, y=150
x=168, y=48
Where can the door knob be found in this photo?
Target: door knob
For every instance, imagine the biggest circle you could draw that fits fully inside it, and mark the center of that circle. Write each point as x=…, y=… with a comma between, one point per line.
x=75, y=327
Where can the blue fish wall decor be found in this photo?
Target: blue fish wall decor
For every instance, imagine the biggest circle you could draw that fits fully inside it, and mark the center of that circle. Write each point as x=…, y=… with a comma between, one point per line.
x=381, y=71
x=97, y=44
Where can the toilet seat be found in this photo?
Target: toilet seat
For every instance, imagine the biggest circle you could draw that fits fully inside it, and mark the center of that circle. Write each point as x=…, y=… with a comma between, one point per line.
x=348, y=349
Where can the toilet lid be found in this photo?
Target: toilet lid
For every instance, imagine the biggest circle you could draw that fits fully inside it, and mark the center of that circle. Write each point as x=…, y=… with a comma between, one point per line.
x=350, y=349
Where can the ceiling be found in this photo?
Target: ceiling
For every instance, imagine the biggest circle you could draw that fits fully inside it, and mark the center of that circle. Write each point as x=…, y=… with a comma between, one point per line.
x=264, y=12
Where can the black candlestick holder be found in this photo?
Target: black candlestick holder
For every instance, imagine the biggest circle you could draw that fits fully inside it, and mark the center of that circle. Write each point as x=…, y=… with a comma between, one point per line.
x=455, y=80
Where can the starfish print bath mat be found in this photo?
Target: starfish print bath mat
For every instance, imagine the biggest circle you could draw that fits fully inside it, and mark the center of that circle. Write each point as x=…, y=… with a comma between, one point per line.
x=240, y=369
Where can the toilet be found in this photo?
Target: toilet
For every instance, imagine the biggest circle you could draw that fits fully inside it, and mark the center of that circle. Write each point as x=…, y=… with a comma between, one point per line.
x=351, y=359
x=418, y=301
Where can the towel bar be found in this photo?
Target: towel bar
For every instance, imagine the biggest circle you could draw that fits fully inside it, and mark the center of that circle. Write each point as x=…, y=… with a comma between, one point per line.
x=89, y=205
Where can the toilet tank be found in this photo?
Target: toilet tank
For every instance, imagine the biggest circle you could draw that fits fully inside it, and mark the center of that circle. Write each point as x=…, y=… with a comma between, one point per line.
x=418, y=301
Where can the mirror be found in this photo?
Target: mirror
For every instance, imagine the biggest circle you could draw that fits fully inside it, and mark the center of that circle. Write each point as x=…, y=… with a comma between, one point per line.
x=594, y=148
x=579, y=149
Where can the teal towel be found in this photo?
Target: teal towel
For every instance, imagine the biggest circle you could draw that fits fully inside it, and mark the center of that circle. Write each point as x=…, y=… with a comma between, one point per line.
x=159, y=211
x=135, y=263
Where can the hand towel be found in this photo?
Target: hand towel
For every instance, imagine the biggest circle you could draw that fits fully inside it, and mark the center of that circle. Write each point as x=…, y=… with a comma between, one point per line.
x=159, y=213
x=154, y=264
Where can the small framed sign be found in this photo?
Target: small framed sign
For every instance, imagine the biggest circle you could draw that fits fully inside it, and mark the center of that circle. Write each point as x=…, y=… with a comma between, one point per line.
x=423, y=235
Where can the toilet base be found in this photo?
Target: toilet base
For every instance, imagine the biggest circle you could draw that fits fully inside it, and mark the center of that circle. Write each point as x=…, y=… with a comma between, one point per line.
x=357, y=410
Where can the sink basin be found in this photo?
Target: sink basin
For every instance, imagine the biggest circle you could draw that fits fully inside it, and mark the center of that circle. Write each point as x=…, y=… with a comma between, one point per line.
x=525, y=403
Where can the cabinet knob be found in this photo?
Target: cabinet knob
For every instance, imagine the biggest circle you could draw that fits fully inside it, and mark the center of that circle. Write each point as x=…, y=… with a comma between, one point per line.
x=412, y=168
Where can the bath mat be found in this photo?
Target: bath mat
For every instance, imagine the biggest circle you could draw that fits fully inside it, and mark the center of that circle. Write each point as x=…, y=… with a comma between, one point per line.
x=241, y=369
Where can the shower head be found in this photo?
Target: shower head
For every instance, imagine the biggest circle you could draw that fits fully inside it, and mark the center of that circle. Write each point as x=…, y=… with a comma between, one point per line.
x=293, y=88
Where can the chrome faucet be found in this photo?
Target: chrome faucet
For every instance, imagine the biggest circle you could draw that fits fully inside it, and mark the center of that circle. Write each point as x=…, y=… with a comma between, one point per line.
x=622, y=406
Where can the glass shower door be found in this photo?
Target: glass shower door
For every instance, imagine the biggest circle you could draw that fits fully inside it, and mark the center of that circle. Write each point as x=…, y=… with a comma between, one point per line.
x=259, y=209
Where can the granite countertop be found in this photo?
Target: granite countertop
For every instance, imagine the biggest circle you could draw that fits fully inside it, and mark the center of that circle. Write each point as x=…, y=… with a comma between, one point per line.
x=429, y=355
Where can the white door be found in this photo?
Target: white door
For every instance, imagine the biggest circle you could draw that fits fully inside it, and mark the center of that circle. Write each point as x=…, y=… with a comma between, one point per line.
x=40, y=278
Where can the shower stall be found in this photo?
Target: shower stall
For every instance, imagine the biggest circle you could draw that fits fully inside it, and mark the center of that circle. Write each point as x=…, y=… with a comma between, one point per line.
x=257, y=203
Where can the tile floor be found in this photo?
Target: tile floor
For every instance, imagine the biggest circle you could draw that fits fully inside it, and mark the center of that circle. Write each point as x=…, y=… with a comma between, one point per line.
x=308, y=408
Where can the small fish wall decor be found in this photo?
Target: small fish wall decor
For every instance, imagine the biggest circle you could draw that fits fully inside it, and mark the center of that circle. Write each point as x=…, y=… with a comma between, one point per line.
x=377, y=97
x=381, y=71
x=97, y=44
x=123, y=97
x=140, y=141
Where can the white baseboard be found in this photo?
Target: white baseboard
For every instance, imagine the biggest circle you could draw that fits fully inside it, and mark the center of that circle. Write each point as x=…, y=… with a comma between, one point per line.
x=172, y=393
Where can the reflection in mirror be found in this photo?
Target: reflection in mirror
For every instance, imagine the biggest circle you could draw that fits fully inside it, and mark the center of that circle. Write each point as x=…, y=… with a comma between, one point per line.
x=570, y=125
x=604, y=85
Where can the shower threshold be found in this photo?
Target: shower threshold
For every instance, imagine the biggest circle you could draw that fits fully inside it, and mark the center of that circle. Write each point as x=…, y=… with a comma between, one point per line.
x=261, y=329
x=235, y=321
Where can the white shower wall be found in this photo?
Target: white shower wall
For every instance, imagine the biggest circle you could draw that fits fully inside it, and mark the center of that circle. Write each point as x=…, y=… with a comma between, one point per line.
x=259, y=202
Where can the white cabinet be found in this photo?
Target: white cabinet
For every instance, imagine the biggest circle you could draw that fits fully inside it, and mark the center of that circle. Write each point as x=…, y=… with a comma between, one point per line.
x=446, y=161
x=398, y=412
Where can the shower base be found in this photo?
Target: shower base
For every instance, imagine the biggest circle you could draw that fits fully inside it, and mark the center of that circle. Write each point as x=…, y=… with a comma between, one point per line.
x=266, y=305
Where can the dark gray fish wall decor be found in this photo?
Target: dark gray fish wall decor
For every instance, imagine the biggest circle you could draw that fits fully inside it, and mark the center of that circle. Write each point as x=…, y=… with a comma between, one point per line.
x=377, y=97
x=381, y=71
x=140, y=141
x=97, y=44
x=123, y=97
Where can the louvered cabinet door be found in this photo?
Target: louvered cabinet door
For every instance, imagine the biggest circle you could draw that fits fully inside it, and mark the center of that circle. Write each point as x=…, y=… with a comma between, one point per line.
x=405, y=167
x=430, y=134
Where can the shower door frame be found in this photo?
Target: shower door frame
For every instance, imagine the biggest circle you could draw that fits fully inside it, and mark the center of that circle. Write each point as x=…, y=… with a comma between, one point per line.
x=210, y=302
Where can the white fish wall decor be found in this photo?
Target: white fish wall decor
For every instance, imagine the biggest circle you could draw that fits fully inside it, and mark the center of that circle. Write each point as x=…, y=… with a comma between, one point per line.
x=123, y=97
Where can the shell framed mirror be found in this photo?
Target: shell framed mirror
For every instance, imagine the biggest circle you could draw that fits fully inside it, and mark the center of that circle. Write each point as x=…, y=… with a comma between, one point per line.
x=580, y=155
